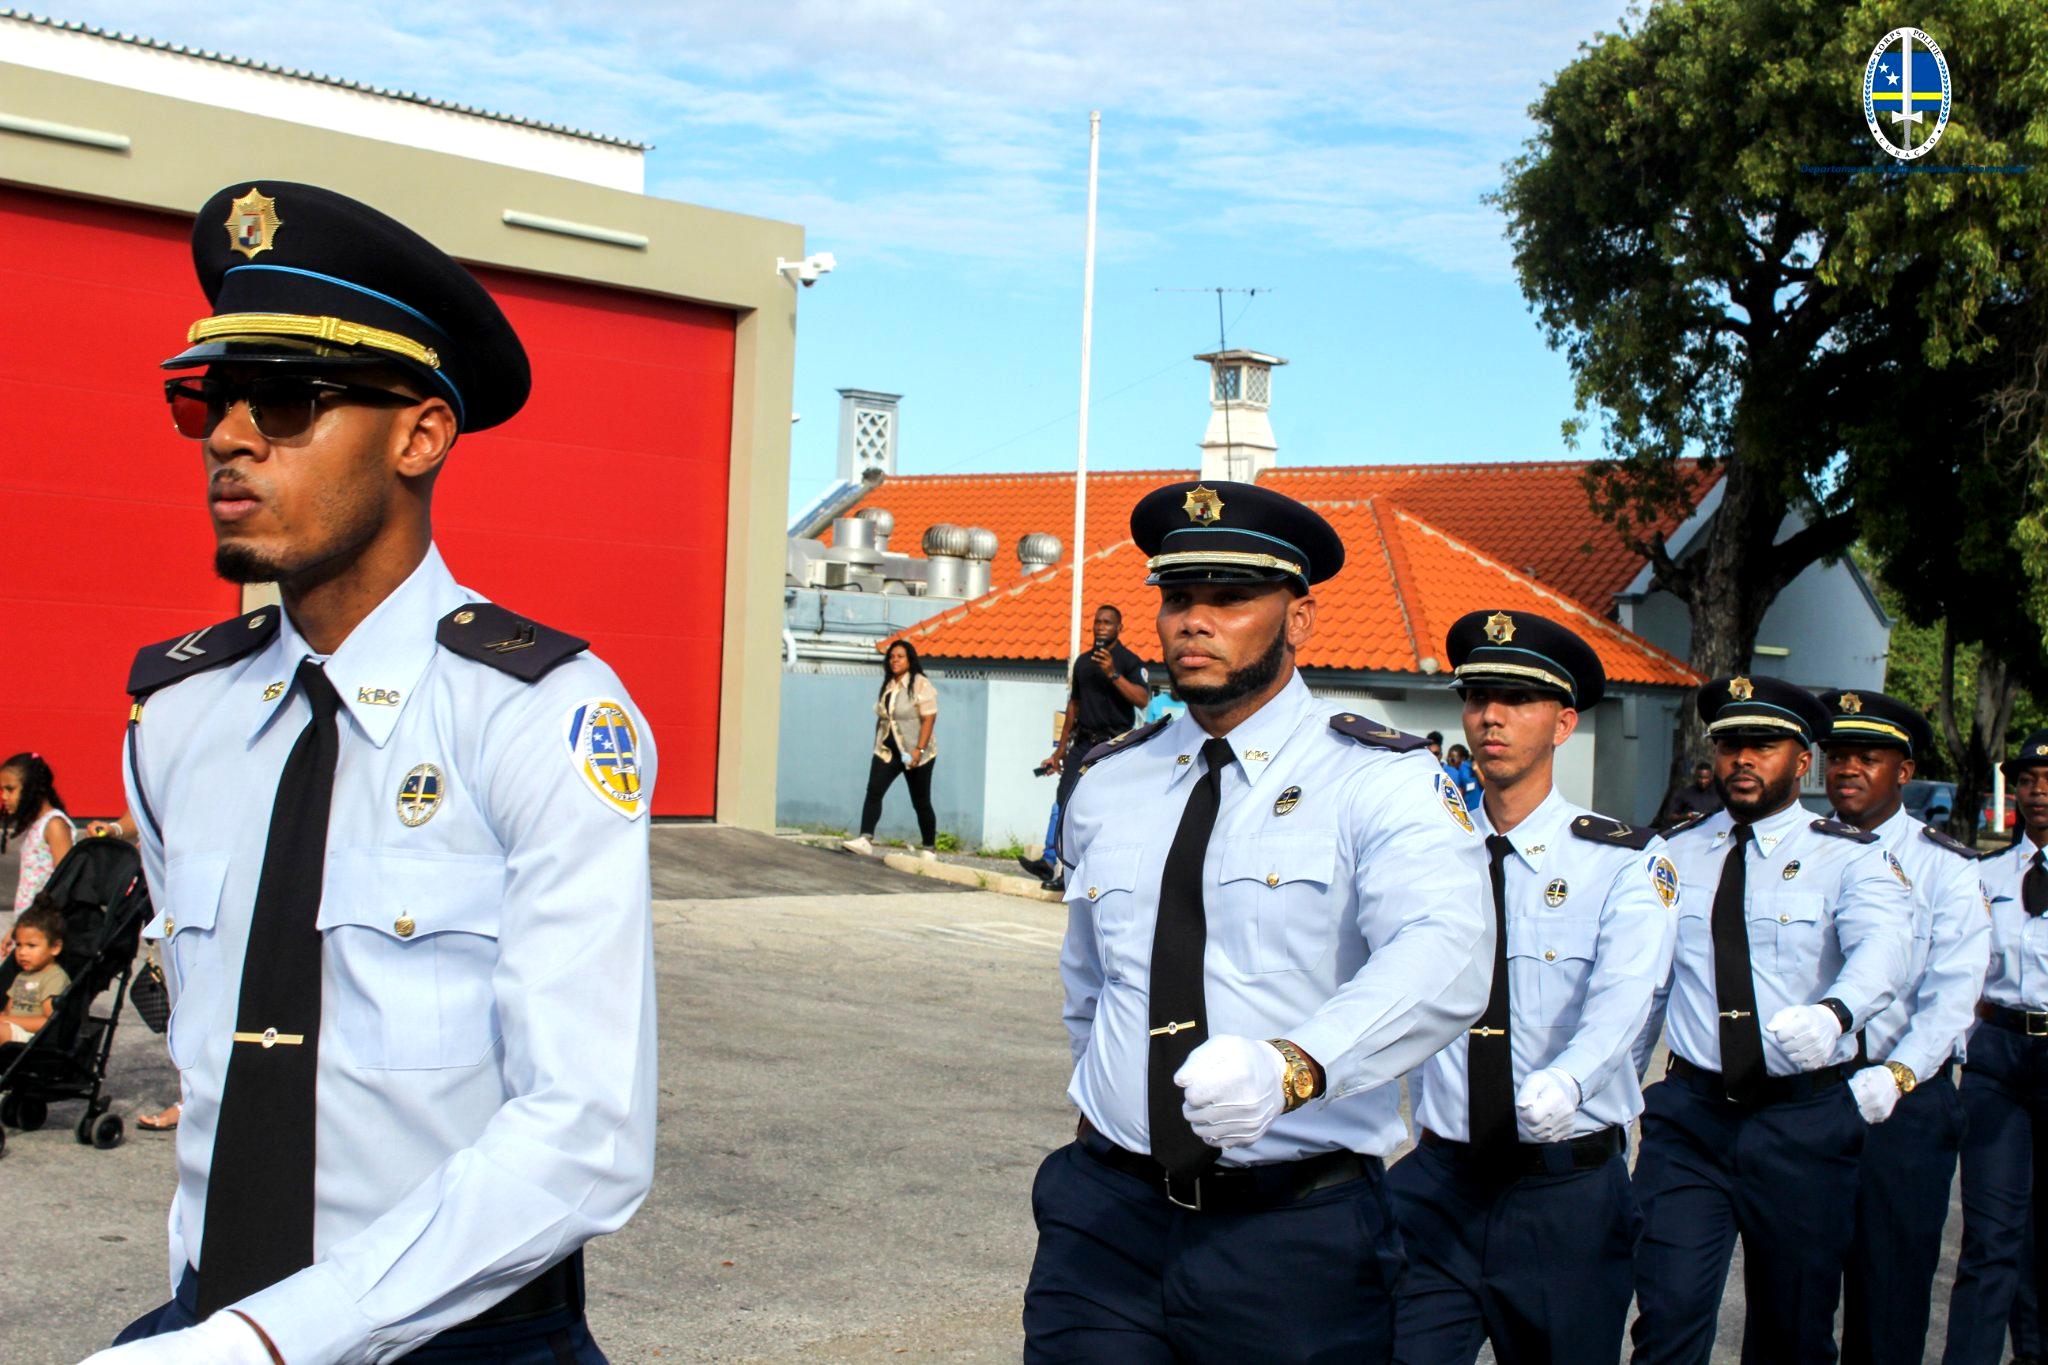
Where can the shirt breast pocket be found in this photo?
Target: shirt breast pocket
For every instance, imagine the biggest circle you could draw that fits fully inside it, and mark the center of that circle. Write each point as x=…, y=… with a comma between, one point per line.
x=1107, y=880
x=411, y=948
x=1276, y=913
x=1549, y=959
x=1785, y=931
x=202, y=993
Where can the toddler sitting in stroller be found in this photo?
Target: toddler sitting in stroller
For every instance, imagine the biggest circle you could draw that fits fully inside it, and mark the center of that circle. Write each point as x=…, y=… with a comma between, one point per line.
x=38, y=938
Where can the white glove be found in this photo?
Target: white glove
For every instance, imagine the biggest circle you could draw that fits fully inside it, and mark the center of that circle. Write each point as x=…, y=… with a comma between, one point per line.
x=1876, y=1091
x=1233, y=1088
x=1808, y=1033
x=224, y=1339
x=1548, y=1100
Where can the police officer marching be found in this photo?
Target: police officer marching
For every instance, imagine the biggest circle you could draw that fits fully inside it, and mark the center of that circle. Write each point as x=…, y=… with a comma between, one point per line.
x=396, y=839
x=1516, y=1209
x=1794, y=933
x=2004, y=1088
x=1276, y=908
x=1907, y=1093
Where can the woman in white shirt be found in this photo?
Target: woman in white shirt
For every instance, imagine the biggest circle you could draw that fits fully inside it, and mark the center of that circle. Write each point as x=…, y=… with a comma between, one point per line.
x=907, y=704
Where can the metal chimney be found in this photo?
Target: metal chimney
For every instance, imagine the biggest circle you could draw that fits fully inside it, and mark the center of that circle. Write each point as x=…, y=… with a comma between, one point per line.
x=1038, y=552
x=945, y=548
x=981, y=553
x=884, y=522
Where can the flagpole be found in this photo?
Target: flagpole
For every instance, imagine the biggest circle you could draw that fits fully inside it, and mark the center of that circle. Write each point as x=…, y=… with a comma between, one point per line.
x=1087, y=340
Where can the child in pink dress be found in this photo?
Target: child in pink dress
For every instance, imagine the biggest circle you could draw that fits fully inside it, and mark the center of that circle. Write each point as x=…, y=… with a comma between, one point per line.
x=32, y=817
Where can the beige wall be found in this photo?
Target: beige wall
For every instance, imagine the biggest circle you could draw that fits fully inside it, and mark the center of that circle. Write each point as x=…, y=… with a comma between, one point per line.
x=181, y=152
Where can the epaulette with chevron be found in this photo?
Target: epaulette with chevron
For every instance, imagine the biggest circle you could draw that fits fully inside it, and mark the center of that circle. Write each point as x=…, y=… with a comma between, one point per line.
x=1129, y=739
x=1380, y=736
x=1953, y=845
x=507, y=641
x=1613, y=833
x=1842, y=831
x=167, y=661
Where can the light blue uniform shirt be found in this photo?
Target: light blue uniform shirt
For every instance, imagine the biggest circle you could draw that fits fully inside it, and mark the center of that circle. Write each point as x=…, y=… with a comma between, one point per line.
x=1926, y=1025
x=487, y=1082
x=1590, y=929
x=1345, y=895
x=1827, y=916
x=2018, y=975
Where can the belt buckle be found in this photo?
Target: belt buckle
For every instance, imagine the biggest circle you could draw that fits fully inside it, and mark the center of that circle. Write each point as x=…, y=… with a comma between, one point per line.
x=2037, y=1024
x=1193, y=1182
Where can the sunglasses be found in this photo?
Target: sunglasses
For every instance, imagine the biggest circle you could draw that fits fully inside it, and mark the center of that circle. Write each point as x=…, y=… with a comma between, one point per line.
x=280, y=408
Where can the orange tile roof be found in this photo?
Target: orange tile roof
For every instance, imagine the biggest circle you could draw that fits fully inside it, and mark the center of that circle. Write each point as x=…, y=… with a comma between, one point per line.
x=1533, y=516
x=1404, y=581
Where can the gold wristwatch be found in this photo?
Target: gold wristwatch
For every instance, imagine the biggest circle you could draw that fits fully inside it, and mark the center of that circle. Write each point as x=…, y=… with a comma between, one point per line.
x=1903, y=1076
x=1303, y=1079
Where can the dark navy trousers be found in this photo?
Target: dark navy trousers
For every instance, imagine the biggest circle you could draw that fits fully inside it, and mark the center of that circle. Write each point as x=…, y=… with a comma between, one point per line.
x=2005, y=1110
x=1902, y=1196
x=1124, y=1276
x=1541, y=1266
x=557, y=1339
x=1782, y=1177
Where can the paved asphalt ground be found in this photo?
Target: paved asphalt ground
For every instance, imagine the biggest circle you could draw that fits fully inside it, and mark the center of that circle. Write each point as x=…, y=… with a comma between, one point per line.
x=861, y=1071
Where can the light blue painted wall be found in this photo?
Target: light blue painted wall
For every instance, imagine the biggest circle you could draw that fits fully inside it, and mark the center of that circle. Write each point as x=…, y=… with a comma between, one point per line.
x=828, y=733
x=1015, y=804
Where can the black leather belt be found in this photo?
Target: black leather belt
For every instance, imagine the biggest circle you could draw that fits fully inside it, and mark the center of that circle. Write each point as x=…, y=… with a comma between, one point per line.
x=2032, y=1023
x=1773, y=1089
x=1535, y=1158
x=1234, y=1189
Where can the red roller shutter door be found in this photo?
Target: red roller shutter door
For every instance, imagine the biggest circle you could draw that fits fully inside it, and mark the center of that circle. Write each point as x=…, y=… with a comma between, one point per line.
x=600, y=509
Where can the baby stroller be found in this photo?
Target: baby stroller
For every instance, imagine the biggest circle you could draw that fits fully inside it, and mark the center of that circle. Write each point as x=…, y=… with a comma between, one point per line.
x=101, y=892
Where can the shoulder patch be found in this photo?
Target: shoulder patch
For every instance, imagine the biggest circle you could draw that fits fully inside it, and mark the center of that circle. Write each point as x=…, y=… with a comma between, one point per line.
x=168, y=661
x=604, y=748
x=1842, y=831
x=1614, y=833
x=1953, y=845
x=507, y=641
x=1129, y=739
x=1682, y=823
x=1380, y=736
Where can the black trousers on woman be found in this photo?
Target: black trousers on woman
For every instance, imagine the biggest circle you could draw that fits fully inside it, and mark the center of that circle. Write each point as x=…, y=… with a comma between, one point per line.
x=881, y=772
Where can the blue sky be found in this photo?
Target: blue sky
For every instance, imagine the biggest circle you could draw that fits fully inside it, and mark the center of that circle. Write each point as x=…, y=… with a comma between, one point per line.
x=1335, y=155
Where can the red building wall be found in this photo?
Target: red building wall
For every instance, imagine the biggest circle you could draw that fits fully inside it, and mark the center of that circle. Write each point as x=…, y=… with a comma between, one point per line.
x=600, y=509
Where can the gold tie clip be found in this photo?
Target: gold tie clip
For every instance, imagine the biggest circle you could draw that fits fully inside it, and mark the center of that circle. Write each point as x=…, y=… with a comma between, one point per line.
x=1168, y=1030
x=1489, y=1033
x=1737, y=1014
x=270, y=1038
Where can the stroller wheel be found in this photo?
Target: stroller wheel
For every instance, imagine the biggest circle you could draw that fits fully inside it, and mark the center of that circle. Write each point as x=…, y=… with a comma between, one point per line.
x=10, y=1111
x=83, y=1132
x=30, y=1114
x=3, y=1142
x=106, y=1133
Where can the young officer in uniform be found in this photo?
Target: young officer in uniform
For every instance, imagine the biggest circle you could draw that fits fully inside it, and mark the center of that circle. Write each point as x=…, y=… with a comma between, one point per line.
x=1793, y=934
x=1516, y=1210
x=2005, y=1081
x=1907, y=1092
x=396, y=837
x=1276, y=909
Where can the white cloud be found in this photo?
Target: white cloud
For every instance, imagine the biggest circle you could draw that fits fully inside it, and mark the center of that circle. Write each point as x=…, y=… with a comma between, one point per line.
x=899, y=128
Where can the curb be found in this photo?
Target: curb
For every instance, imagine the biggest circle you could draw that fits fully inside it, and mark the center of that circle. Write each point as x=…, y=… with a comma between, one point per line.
x=999, y=882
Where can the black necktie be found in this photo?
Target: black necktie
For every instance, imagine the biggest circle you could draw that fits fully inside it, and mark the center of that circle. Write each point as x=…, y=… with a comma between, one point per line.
x=259, y=1187
x=1742, y=1041
x=1180, y=1021
x=2034, y=886
x=1489, y=1057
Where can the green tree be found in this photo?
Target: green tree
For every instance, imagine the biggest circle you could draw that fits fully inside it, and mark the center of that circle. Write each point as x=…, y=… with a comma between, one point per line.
x=1715, y=300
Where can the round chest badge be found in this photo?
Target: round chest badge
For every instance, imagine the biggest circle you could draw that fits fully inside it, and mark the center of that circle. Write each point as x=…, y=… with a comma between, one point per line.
x=419, y=796
x=1554, y=894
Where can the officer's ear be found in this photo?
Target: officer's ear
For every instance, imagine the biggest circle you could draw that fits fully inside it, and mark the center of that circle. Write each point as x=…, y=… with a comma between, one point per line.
x=1301, y=620
x=1567, y=726
x=1803, y=762
x=427, y=433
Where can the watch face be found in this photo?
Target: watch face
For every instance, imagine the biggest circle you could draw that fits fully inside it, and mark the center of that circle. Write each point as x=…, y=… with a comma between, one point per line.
x=1304, y=1084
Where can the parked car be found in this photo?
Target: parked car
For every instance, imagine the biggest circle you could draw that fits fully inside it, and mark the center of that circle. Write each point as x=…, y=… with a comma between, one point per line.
x=1929, y=801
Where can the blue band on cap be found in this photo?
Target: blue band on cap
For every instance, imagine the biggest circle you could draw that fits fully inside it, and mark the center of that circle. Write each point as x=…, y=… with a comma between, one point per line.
x=402, y=307
x=1485, y=650
x=1288, y=546
x=1731, y=713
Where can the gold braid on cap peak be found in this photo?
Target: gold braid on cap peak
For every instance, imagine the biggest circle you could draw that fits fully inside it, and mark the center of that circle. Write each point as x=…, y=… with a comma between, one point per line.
x=236, y=326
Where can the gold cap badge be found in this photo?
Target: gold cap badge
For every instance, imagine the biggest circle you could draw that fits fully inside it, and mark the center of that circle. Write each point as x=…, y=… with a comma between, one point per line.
x=1740, y=689
x=253, y=223
x=1203, y=507
x=1500, y=628
x=1851, y=703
